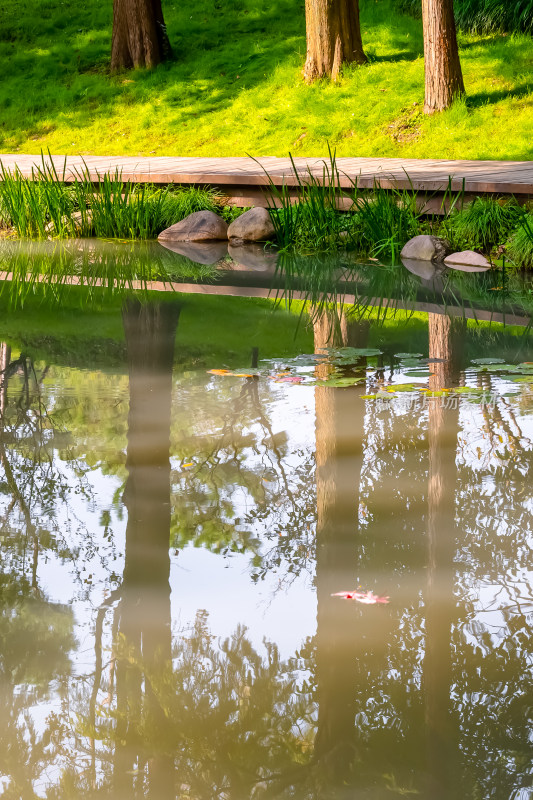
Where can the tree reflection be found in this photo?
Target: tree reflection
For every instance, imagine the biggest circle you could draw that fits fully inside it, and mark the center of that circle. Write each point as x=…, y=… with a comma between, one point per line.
x=446, y=336
x=429, y=505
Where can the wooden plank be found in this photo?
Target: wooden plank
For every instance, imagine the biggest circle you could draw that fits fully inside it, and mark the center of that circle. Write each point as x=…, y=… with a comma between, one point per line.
x=502, y=177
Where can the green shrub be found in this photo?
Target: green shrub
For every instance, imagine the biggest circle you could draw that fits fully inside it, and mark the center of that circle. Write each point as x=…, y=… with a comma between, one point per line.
x=485, y=223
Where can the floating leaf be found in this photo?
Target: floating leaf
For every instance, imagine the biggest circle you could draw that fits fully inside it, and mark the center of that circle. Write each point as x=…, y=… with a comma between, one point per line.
x=287, y=379
x=339, y=382
x=488, y=361
x=408, y=355
x=418, y=374
x=356, y=352
x=523, y=379
x=219, y=371
x=404, y=387
x=467, y=390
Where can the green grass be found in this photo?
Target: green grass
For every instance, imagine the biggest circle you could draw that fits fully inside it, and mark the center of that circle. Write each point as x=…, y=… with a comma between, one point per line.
x=236, y=88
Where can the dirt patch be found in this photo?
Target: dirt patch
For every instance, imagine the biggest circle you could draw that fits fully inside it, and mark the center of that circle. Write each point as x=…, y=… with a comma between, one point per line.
x=406, y=128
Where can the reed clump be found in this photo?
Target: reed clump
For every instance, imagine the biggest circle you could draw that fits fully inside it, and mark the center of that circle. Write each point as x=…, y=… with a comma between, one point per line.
x=378, y=222
x=486, y=222
x=520, y=247
x=52, y=203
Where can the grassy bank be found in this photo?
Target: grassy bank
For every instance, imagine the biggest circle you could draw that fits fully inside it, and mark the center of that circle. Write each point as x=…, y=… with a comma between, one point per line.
x=235, y=87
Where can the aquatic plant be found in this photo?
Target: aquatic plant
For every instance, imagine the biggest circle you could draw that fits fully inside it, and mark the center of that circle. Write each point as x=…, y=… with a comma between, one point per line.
x=485, y=222
x=520, y=247
x=384, y=221
x=52, y=203
x=312, y=220
x=378, y=222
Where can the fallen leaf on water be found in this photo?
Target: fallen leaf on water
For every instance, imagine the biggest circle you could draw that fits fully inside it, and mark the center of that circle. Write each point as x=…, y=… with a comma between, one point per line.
x=190, y=464
x=219, y=371
x=287, y=379
x=367, y=598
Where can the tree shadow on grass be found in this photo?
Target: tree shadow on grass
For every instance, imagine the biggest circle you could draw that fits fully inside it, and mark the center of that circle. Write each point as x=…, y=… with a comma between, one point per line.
x=48, y=83
x=483, y=98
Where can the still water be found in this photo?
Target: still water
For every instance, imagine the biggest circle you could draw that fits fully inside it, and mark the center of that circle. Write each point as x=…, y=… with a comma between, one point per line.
x=188, y=482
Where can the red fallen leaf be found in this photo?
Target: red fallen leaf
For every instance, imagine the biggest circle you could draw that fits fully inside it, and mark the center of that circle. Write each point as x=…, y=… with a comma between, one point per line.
x=288, y=379
x=367, y=598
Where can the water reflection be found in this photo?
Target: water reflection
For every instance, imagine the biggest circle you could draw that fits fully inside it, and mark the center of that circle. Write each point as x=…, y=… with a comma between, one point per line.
x=107, y=690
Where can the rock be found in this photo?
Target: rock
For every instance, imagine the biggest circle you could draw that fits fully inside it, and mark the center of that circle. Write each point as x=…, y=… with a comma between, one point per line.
x=199, y=252
x=253, y=257
x=202, y=226
x=422, y=269
x=468, y=261
x=426, y=248
x=254, y=225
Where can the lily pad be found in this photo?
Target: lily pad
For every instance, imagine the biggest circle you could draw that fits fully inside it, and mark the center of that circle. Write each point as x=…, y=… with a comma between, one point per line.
x=355, y=352
x=499, y=368
x=411, y=363
x=488, y=361
x=338, y=382
x=419, y=374
x=404, y=387
x=408, y=355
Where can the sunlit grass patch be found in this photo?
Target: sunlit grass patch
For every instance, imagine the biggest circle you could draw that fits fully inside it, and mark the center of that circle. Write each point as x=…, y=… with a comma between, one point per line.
x=243, y=93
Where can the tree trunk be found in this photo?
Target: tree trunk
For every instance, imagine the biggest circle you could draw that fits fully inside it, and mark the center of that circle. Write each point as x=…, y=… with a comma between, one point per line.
x=333, y=37
x=443, y=76
x=139, y=34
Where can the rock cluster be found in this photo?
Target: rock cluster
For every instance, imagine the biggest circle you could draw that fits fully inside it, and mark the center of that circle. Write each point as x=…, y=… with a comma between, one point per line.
x=254, y=225
x=437, y=251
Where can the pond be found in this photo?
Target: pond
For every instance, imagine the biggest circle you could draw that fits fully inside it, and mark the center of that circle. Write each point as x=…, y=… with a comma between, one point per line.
x=252, y=548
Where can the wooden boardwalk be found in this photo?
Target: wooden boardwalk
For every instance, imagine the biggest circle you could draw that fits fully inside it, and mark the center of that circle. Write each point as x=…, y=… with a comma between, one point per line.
x=244, y=180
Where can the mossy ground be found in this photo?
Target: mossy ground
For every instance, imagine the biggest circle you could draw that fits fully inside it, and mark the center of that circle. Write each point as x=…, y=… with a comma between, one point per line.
x=235, y=87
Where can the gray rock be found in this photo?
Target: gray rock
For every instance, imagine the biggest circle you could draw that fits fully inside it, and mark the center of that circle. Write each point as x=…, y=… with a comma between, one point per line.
x=254, y=225
x=199, y=252
x=202, y=226
x=422, y=269
x=426, y=248
x=253, y=257
x=474, y=262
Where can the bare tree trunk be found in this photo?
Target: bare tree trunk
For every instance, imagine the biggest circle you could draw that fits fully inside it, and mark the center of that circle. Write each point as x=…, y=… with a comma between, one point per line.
x=333, y=37
x=443, y=76
x=140, y=36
